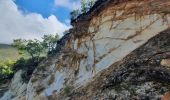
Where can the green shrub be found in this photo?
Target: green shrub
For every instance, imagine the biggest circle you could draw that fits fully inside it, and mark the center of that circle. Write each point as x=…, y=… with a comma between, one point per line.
x=28, y=66
x=67, y=90
x=6, y=69
x=74, y=14
x=86, y=5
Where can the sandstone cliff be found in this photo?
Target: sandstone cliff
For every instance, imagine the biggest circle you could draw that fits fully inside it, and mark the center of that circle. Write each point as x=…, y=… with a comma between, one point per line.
x=114, y=51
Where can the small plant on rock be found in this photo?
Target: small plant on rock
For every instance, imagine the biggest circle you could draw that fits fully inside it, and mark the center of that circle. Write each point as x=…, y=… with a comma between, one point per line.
x=67, y=90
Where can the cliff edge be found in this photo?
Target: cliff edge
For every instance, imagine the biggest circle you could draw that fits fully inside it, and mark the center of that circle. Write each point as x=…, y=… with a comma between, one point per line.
x=119, y=50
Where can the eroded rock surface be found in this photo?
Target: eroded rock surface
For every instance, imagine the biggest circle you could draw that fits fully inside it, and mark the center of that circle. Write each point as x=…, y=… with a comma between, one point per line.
x=17, y=89
x=139, y=76
x=113, y=52
x=97, y=43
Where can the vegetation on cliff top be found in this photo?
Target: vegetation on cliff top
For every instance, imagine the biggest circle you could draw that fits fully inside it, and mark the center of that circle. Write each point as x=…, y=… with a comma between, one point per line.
x=85, y=7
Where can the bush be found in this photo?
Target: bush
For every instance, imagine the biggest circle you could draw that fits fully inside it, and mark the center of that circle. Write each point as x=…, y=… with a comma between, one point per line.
x=20, y=64
x=86, y=5
x=28, y=66
x=6, y=71
x=74, y=14
x=67, y=90
x=9, y=68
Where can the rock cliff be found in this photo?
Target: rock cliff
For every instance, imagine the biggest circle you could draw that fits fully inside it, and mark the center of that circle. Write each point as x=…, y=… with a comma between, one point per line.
x=119, y=50
x=17, y=88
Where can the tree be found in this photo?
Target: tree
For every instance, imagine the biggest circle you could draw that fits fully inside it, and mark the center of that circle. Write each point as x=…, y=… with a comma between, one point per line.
x=34, y=48
x=91, y=3
x=74, y=14
x=84, y=6
x=20, y=45
x=50, y=41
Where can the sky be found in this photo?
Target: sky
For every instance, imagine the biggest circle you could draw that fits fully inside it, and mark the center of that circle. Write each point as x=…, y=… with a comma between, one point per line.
x=29, y=19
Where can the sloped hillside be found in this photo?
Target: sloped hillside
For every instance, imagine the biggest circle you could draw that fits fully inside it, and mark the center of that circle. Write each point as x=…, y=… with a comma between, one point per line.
x=139, y=76
x=97, y=41
x=7, y=52
x=118, y=50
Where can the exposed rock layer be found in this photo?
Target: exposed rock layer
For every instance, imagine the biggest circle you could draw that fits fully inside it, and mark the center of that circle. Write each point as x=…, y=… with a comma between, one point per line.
x=138, y=76
x=97, y=43
x=96, y=60
x=17, y=88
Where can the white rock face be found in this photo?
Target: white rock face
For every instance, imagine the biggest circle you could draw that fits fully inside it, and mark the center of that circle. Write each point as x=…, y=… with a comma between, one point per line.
x=104, y=49
x=17, y=88
x=109, y=40
x=109, y=46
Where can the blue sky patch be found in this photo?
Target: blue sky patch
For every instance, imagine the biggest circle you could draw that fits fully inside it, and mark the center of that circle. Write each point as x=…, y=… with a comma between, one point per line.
x=45, y=8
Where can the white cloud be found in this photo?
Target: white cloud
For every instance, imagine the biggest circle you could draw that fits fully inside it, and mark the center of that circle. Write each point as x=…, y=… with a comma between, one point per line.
x=70, y=4
x=15, y=24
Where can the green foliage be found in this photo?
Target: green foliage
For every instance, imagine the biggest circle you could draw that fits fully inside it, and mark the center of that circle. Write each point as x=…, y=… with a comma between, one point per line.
x=85, y=7
x=91, y=3
x=20, y=45
x=9, y=67
x=6, y=69
x=50, y=41
x=67, y=90
x=33, y=47
x=19, y=64
x=27, y=65
x=75, y=13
